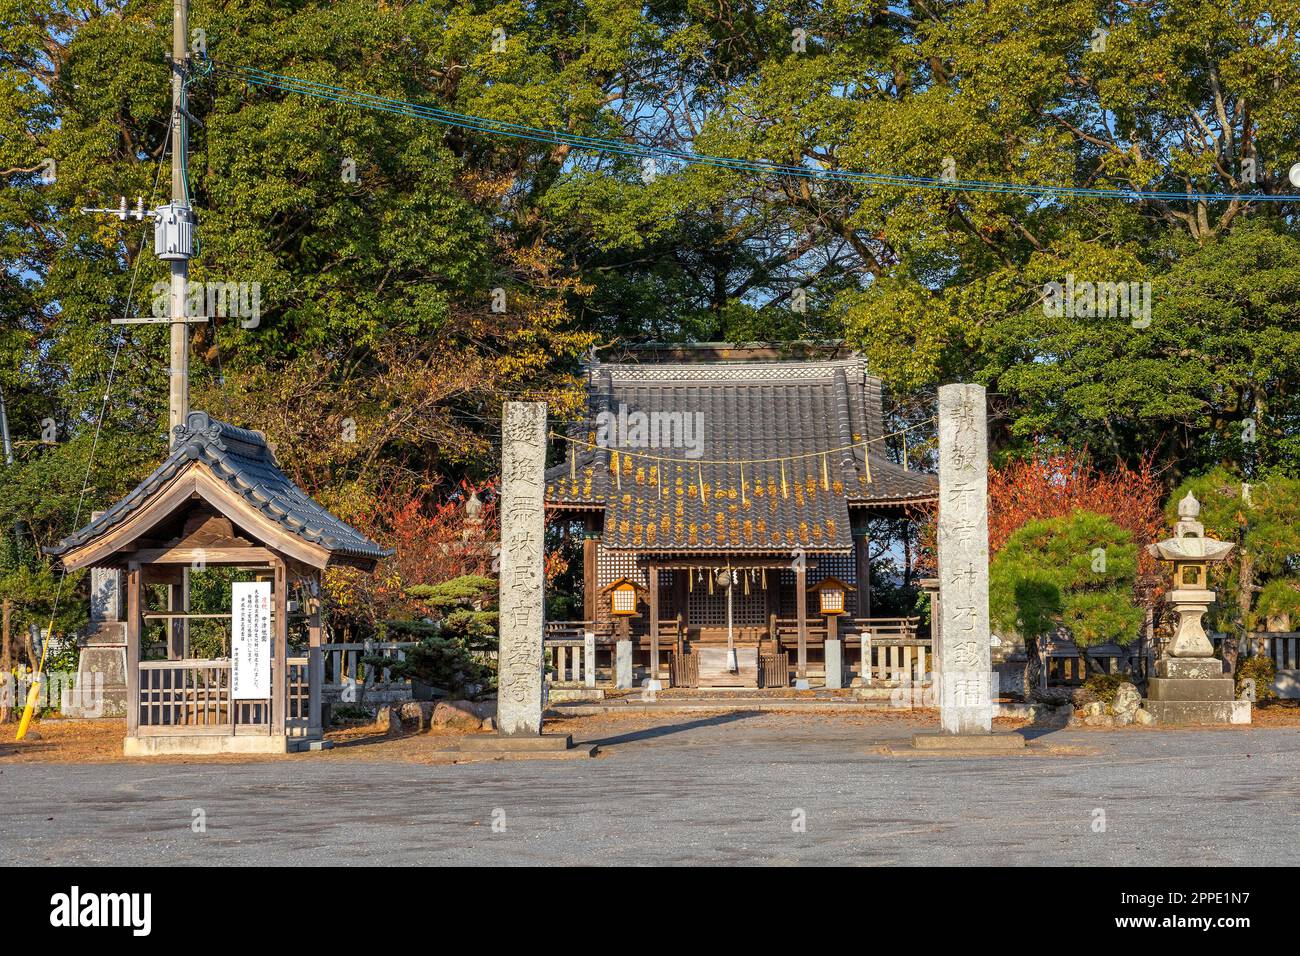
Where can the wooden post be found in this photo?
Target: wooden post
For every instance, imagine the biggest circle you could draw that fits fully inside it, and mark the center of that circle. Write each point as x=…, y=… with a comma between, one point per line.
x=280, y=655
x=6, y=660
x=176, y=604
x=590, y=543
x=315, y=670
x=680, y=601
x=862, y=562
x=133, y=636
x=801, y=610
x=652, y=574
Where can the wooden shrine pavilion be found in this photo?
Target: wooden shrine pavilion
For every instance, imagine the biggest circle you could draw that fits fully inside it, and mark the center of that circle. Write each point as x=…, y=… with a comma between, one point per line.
x=219, y=500
x=734, y=533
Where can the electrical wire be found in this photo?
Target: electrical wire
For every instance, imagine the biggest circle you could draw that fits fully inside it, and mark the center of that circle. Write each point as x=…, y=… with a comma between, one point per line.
x=343, y=96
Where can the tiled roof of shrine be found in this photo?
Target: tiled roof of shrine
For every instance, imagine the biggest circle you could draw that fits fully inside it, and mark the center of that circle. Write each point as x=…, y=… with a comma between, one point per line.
x=779, y=456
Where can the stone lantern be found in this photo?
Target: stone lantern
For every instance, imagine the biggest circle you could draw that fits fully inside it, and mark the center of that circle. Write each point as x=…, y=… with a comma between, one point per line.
x=1190, y=686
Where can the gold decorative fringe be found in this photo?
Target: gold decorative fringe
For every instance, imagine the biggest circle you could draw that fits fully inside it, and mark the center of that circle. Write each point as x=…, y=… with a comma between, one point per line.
x=743, y=499
x=785, y=491
x=699, y=475
x=826, y=475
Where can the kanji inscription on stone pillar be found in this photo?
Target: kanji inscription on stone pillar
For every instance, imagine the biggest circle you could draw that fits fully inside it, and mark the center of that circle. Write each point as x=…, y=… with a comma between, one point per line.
x=965, y=670
x=522, y=514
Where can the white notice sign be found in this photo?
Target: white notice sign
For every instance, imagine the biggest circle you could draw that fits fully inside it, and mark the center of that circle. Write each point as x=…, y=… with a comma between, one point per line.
x=250, y=640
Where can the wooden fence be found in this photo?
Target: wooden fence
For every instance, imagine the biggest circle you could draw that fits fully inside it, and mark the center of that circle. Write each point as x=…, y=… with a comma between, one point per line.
x=893, y=661
x=350, y=680
x=193, y=696
x=1284, y=648
x=774, y=670
x=570, y=661
x=685, y=669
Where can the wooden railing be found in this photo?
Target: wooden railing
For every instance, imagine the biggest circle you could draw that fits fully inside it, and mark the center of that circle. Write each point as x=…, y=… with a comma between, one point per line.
x=894, y=660
x=185, y=693
x=847, y=628
x=571, y=630
x=1062, y=664
x=786, y=631
x=672, y=635
x=570, y=661
x=349, y=679
x=1282, y=646
x=905, y=628
x=193, y=696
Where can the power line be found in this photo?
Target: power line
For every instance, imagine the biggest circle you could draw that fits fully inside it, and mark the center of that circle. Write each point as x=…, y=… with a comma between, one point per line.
x=343, y=96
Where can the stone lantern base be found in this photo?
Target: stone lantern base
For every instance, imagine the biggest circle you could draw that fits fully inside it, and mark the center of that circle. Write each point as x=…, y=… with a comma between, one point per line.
x=1194, y=690
x=101, y=675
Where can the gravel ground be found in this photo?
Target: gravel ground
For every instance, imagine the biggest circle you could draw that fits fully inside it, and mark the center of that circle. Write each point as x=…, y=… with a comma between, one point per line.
x=683, y=789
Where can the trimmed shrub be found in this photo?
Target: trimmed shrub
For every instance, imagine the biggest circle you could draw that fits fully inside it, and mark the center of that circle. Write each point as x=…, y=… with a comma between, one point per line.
x=1103, y=686
x=1262, y=670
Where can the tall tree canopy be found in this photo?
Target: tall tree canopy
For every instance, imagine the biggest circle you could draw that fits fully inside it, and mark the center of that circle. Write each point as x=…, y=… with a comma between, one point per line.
x=413, y=274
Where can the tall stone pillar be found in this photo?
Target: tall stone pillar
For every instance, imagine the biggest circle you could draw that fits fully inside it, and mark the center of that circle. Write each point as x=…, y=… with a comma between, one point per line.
x=522, y=514
x=962, y=654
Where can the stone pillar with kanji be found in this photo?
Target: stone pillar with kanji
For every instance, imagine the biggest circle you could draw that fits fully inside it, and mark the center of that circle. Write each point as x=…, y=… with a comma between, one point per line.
x=522, y=515
x=963, y=654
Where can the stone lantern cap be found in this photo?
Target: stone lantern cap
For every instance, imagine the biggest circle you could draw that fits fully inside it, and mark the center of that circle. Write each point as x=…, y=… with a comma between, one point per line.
x=1189, y=542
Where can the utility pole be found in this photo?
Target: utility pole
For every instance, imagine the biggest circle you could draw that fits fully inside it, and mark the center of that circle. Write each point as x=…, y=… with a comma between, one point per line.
x=174, y=229
x=179, y=378
x=4, y=432
x=178, y=249
x=173, y=242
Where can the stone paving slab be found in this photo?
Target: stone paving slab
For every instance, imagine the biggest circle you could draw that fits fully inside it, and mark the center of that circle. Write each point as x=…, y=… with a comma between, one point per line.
x=690, y=790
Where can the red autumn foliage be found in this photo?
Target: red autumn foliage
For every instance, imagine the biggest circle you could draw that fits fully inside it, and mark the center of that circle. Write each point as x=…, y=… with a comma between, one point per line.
x=1056, y=484
x=434, y=540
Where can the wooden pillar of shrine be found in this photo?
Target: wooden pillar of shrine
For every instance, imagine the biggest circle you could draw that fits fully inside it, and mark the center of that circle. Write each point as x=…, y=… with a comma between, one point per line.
x=315, y=664
x=652, y=600
x=862, y=566
x=801, y=611
x=280, y=653
x=590, y=543
x=134, y=610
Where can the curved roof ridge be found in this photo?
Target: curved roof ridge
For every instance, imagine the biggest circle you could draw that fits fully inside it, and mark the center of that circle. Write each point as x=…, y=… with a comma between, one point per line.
x=241, y=459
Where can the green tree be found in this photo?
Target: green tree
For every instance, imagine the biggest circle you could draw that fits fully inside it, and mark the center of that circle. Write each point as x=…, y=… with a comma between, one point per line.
x=1076, y=573
x=452, y=639
x=1262, y=574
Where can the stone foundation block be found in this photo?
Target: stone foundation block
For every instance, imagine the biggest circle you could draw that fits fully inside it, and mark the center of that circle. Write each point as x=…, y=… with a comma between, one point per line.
x=1191, y=688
